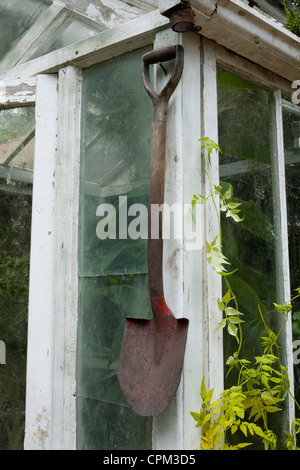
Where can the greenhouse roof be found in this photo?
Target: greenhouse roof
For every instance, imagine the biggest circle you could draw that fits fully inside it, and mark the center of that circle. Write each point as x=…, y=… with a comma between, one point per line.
x=32, y=28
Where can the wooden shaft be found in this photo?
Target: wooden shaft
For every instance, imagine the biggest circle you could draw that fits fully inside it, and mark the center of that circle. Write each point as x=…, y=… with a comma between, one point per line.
x=157, y=183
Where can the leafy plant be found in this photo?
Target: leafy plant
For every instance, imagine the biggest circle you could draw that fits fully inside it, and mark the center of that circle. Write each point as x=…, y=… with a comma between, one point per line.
x=228, y=413
x=262, y=382
x=292, y=18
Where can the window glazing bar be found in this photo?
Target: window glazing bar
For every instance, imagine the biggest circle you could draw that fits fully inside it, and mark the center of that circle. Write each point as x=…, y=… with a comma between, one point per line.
x=281, y=234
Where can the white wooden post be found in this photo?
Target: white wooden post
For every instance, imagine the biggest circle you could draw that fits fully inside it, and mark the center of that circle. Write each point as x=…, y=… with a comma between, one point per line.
x=40, y=352
x=174, y=429
x=212, y=288
x=66, y=275
x=51, y=386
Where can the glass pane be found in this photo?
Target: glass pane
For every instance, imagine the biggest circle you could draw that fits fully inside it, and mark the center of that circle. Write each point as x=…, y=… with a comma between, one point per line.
x=15, y=221
x=17, y=137
x=291, y=123
x=115, y=170
x=247, y=140
x=16, y=164
x=71, y=31
x=15, y=19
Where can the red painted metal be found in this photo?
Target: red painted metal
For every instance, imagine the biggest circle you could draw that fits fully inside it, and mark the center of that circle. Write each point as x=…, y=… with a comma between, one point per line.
x=152, y=352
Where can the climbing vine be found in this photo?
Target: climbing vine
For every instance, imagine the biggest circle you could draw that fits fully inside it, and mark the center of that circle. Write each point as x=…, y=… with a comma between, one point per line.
x=262, y=382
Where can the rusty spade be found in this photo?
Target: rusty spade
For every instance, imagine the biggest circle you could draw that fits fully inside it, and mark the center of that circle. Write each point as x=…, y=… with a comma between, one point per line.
x=152, y=351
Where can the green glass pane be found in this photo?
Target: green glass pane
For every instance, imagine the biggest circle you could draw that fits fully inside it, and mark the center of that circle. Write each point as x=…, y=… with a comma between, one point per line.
x=71, y=31
x=105, y=303
x=291, y=125
x=17, y=137
x=248, y=144
x=16, y=158
x=113, y=282
x=15, y=223
x=245, y=138
x=116, y=163
x=16, y=17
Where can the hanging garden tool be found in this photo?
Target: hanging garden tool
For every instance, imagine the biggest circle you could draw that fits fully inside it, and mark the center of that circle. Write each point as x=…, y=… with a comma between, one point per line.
x=152, y=352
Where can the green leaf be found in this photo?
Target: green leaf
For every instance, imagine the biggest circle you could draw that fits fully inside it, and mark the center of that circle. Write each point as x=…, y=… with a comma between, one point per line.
x=283, y=309
x=203, y=389
x=228, y=193
x=216, y=259
x=234, y=428
x=214, y=241
x=266, y=359
x=240, y=413
x=232, y=311
x=234, y=205
x=232, y=359
x=241, y=445
x=227, y=297
x=233, y=331
x=235, y=320
x=195, y=415
x=222, y=324
x=209, y=396
x=243, y=428
x=209, y=145
x=206, y=419
x=208, y=247
x=272, y=409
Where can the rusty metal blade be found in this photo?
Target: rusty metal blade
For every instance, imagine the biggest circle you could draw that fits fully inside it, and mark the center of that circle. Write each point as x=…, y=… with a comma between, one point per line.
x=151, y=361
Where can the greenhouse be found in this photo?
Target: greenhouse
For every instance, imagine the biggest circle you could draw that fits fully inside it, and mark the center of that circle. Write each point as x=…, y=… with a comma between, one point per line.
x=150, y=225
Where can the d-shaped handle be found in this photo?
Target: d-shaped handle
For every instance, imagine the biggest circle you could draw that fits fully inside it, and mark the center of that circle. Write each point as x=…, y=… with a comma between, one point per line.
x=160, y=100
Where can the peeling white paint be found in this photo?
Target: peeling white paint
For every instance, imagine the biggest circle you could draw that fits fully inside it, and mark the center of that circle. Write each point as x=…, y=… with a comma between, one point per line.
x=122, y=8
x=93, y=13
x=17, y=91
x=110, y=13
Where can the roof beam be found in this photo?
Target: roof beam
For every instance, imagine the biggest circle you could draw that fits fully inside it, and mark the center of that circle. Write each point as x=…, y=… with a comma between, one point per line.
x=246, y=31
x=251, y=34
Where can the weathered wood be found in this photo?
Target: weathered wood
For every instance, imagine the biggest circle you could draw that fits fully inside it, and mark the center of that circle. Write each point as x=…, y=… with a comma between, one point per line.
x=40, y=352
x=212, y=284
x=66, y=275
x=252, y=71
x=110, y=13
x=11, y=174
x=17, y=92
x=251, y=34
